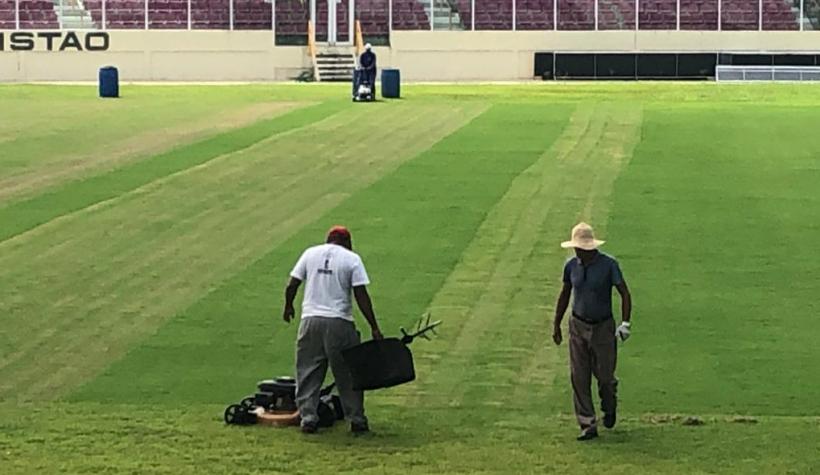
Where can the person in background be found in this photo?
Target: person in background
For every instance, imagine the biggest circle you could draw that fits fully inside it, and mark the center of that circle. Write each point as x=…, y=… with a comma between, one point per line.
x=331, y=272
x=367, y=61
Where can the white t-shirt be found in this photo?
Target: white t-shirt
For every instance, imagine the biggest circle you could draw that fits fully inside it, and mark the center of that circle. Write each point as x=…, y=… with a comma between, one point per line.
x=329, y=272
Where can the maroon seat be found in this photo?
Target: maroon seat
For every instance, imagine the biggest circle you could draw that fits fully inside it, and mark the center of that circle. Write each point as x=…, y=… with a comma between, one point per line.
x=780, y=15
x=493, y=14
x=534, y=15
x=409, y=15
x=616, y=15
x=657, y=15
x=698, y=14
x=576, y=15
x=739, y=15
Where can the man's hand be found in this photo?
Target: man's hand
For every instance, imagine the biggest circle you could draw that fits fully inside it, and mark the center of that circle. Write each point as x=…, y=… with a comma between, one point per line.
x=288, y=313
x=623, y=331
x=376, y=333
x=557, y=337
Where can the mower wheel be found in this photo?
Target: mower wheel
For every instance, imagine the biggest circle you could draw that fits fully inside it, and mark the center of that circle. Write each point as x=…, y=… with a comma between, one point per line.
x=235, y=414
x=248, y=403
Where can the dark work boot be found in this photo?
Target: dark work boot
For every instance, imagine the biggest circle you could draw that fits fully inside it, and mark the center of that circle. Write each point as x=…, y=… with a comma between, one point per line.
x=359, y=428
x=588, y=434
x=609, y=420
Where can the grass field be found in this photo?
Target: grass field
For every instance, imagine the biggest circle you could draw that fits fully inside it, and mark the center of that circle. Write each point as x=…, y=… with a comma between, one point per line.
x=144, y=244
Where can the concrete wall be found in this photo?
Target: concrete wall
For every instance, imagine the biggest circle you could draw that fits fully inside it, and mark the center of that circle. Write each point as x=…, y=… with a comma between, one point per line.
x=163, y=56
x=421, y=55
x=485, y=55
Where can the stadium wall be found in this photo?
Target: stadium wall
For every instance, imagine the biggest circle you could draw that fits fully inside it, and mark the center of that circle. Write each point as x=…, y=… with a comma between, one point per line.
x=421, y=55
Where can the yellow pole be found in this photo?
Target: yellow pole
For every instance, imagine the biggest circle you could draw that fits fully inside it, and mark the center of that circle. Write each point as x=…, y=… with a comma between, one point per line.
x=311, y=49
x=359, y=40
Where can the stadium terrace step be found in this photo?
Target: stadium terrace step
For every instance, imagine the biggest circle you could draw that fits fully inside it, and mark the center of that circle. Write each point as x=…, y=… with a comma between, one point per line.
x=72, y=15
x=335, y=65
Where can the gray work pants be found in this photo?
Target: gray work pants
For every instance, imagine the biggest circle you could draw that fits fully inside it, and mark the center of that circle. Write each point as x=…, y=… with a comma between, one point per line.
x=321, y=341
x=593, y=350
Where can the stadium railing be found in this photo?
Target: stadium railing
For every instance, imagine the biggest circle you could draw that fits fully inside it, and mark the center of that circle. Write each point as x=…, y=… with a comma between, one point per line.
x=288, y=18
x=767, y=73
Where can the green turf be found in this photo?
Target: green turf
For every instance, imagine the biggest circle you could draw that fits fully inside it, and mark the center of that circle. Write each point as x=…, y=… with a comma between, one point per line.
x=126, y=325
x=22, y=216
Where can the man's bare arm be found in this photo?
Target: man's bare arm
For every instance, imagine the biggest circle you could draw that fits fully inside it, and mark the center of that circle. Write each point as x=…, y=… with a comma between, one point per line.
x=626, y=301
x=560, y=309
x=366, y=306
x=290, y=295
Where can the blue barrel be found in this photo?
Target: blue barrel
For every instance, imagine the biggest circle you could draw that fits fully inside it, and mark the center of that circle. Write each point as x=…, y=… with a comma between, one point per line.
x=391, y=83
x=109, y=82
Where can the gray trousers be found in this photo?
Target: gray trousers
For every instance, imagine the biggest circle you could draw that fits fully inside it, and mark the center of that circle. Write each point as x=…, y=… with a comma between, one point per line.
x=593, y=350
x=320, y=343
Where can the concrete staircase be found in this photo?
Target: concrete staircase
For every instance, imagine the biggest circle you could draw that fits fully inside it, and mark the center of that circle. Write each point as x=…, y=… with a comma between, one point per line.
x=445, y=16
x=335, y=64
x=73, y=15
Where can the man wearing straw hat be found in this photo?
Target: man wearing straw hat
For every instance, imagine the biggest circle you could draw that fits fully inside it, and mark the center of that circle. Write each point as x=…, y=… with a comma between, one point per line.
x=589, y=278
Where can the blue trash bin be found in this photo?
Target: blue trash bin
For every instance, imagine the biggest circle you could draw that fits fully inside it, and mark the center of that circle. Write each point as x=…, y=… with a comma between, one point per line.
x=109, y=82
x=391, y=83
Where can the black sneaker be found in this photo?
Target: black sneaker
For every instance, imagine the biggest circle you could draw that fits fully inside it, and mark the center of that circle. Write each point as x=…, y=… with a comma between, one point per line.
x=359, y=428
x=588, y=434
x=309, y=428
x=609, y=420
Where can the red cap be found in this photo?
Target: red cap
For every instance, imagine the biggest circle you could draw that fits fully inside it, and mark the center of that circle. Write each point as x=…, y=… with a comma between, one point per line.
x=338, y=233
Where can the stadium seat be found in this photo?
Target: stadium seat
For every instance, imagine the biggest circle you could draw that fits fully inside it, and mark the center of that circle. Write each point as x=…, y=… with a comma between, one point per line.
x=534, y=14
x=657, y=15
x=699, y=15
x=493, y=14
x=616, y=15
x=576, y=15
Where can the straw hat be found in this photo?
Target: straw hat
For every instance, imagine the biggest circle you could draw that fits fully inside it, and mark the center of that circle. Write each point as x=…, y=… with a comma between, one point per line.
x=582, y=238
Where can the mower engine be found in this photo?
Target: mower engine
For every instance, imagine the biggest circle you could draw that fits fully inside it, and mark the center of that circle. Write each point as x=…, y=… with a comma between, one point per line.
x=275, y=394
x=274, y=403
x=362, y=87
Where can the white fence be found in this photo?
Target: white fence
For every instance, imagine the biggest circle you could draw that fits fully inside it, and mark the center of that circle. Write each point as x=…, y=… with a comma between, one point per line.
x=767, y=73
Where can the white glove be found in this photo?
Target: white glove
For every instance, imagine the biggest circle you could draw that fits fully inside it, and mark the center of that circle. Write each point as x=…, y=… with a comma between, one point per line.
x=622, y=331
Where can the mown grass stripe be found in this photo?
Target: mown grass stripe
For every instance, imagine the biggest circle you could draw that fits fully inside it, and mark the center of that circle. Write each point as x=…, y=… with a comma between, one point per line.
x=130, y=275
x=24, y=215
x=411, y=228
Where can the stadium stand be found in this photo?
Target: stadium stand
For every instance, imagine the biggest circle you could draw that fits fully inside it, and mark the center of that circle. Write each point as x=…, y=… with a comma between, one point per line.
x=576, y=15
x=781, y=15
x=374, y=16
x=699, y=15
x=465, y=10
x=739, y=15
x=342, y=22
x=38, y=15
x=410, y=15
x=493, y=15
x=168, y=14
x=7, y=21
x=119, y=14
x=534, y=14
x=616, y=15
x=658, y=15
x=210, y=14
x=252, y=15
x=292, y=15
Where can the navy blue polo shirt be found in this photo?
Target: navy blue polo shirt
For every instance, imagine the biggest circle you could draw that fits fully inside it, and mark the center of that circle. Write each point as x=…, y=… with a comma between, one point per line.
x=592, y=286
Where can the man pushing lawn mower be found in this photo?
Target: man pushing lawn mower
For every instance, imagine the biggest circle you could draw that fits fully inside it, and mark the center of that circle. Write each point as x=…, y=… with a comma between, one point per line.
x=330, y=272
x=364, y=77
